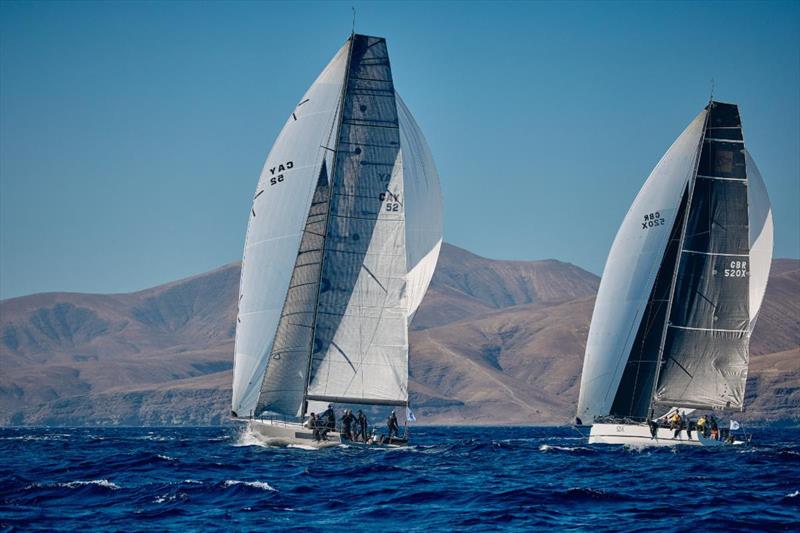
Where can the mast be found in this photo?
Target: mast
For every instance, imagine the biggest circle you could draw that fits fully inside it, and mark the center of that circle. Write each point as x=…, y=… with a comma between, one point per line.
x=678, y=257
x=327, y=222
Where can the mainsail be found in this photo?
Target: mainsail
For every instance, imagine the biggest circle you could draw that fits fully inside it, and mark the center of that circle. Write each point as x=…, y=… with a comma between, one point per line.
x=683, y=281
x=340, y=248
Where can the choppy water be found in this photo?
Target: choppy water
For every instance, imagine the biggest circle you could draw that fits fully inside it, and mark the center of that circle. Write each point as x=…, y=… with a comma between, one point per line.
x=451, y=479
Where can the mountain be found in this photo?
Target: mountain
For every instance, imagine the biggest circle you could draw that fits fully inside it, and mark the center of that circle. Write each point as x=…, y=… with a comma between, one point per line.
x=493, y=342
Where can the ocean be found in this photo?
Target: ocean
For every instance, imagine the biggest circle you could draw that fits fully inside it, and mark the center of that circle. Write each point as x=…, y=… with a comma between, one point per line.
x=449, y=479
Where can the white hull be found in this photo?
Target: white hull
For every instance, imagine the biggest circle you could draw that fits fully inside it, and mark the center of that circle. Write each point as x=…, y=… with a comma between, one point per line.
x=639, y=435
x=278, y=433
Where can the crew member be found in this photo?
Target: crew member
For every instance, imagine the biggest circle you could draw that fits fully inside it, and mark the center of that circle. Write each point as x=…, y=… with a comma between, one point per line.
x=361, y=425
x=347, y=422
x=313, y=426
x=391, y=422
x=329, y=418
x=687, y=423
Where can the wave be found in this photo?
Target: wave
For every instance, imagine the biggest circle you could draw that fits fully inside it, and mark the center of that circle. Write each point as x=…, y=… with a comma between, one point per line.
x=568, y=449
x=104, y=483
x=263, y=485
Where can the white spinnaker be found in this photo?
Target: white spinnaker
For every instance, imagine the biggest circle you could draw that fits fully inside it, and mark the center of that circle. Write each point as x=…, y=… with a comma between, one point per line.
x=423, y=207
x=276, y=224
x=761, y=235
x=630, y=271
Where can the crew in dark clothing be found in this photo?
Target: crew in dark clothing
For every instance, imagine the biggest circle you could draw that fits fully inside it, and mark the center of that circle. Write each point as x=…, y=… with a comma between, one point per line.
x=687, y=422
x=314, y=427
x=653, y=428
x=394, y=429
x=328, y=418
x=347, y=423
x=361, y=426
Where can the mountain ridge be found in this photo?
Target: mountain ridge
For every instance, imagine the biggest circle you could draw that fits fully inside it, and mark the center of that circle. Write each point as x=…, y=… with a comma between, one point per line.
x=494, y=342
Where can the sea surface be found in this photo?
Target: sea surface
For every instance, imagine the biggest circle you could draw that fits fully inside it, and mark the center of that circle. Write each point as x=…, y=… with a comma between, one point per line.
x=521, y=478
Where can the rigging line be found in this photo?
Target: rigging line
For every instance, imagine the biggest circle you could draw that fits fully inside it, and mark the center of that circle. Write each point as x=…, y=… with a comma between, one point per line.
x=682, y=368
x=711, y=96
x=706, y=298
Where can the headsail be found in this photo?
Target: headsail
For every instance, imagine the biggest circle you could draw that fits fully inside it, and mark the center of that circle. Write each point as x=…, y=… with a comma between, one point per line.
x=278, y=221
x=630, y=274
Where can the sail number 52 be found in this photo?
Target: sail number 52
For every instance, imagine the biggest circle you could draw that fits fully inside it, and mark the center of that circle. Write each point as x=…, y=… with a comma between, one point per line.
x=276, y=173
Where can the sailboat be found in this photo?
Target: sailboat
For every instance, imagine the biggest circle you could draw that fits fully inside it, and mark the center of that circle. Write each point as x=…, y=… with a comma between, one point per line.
x=681, y=291
x=343, y=238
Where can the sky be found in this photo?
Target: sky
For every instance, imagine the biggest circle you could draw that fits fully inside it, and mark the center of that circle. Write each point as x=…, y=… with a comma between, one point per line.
x=132, y=134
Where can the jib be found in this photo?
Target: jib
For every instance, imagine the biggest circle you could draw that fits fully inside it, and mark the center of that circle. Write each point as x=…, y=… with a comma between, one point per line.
x=279, y=169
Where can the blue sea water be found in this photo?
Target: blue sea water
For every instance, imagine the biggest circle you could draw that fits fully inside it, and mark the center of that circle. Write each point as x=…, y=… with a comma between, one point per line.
x=523, y=478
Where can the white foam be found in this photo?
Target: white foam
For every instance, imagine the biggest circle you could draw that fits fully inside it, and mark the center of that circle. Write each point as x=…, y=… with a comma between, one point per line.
x=263, y=485
x=548, y=447
x=99, y=482
x=303, y=447
x=795, y=494
x=250, y=438
x=165, y=457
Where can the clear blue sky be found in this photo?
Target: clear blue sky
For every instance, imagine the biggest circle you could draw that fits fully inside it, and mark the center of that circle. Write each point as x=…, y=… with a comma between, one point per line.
x=132, y=134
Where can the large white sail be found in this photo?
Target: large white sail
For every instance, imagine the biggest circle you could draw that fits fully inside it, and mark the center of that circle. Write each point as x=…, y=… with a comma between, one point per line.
x=423, y=208
x=277, y=220
x=361, y=336
x=630, y=272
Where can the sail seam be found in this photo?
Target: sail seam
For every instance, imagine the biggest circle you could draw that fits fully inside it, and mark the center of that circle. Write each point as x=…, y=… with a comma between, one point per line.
x=721, y=178
x=713, y=253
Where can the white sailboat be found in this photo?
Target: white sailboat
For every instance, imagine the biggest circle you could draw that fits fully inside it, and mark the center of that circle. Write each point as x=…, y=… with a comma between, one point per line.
x=681, y=290
x=343, y=238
